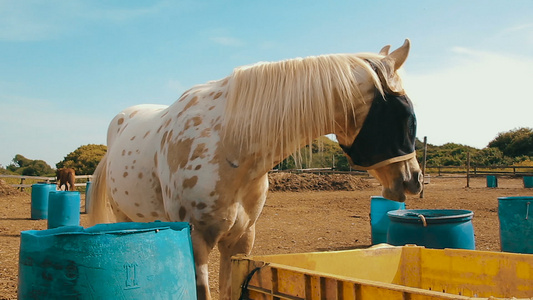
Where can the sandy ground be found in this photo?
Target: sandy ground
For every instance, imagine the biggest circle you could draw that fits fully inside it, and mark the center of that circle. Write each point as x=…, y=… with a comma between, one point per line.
x=303, y=221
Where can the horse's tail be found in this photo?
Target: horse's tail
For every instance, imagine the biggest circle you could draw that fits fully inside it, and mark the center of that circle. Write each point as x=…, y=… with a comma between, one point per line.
x=99, y=209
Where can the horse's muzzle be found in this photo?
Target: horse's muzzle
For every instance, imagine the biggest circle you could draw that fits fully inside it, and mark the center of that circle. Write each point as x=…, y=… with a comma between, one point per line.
x=415, y=185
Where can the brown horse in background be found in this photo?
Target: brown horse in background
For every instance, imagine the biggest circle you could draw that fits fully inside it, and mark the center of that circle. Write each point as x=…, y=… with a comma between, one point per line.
x=66, y=177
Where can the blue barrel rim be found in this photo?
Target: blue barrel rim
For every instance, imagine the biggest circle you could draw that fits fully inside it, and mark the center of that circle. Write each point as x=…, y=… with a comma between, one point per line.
x=58, y=191
x=383, y=198
x=413, y=215
x=530, y=198
x=112, y=228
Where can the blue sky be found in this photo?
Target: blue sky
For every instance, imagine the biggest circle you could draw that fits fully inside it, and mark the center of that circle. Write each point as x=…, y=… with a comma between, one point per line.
x=67, y=67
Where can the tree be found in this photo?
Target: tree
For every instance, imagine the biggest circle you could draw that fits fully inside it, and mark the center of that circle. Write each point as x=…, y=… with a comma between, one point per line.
x=325, y=153
x=514, y=147
x=29, y=167
x=84, y=160
x=515, y=143
x=490, y=156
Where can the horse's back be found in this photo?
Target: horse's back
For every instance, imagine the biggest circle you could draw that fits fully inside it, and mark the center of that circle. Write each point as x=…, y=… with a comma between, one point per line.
x=137, y=116
x=162, y=161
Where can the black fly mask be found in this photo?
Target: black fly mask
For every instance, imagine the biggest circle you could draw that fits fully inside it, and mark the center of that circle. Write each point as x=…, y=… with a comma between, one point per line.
x=388, y=133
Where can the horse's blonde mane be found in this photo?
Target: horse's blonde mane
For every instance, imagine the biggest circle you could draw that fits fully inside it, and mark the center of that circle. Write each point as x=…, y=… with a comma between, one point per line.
x=274, y=106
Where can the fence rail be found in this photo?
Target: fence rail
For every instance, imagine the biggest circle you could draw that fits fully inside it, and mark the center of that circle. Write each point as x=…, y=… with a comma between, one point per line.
x=321, y=171
x=516, y=171
x=36, y=179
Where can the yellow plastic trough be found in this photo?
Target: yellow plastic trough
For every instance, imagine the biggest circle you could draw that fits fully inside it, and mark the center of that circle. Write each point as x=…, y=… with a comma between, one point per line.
x=386, y=272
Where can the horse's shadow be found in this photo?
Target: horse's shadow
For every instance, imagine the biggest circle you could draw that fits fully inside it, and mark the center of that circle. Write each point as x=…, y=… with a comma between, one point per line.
x=15, y=235
x=16, y=219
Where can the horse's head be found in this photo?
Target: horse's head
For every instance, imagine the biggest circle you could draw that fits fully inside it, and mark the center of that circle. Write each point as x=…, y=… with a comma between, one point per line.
x=381, y=136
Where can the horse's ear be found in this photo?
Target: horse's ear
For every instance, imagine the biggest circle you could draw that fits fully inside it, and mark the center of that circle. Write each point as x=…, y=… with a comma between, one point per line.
x=398, y=56
x=385, y=50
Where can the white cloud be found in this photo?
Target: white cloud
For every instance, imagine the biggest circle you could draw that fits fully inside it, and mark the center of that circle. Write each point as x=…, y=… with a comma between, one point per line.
x=474, y=98
x=521, y=27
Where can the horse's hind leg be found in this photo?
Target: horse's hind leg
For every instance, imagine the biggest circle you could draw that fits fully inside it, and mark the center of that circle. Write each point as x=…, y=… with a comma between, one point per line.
x=71, y=182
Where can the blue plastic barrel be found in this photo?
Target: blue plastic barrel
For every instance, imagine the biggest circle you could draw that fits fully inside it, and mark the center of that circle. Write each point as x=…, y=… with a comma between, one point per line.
x=492, y=181
x=439, y=228
x=87, y=197
x=63, y=209
x=108, y=261
x=379, y=221
x=528, y=181
x=39, y=200
x=516, y=224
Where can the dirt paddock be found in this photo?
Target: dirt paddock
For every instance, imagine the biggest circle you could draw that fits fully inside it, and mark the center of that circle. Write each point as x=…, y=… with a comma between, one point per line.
x=302, y=221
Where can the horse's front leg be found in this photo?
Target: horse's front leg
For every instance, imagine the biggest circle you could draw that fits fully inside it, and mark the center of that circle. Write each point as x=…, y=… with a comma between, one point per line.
x=227, y=249
x=201, y=255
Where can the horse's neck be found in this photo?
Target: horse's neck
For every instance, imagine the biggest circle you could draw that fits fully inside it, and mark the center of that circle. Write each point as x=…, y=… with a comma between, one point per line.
x=261, y=161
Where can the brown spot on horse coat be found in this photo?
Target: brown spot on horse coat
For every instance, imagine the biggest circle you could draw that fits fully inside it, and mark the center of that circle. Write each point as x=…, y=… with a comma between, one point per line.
x=191, y=103
x=199, y=152
x=182, y=213
x=195, y=121
x=120, y=121
x=184, y=95
x=125, y=174
x=218, y=95
x=140, y=215
x=164, y=139
x=178, y=154
x=124, y=128
x=190, y=182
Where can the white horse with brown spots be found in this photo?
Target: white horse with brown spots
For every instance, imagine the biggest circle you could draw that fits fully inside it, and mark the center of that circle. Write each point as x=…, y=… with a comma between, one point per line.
x=205, y=158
